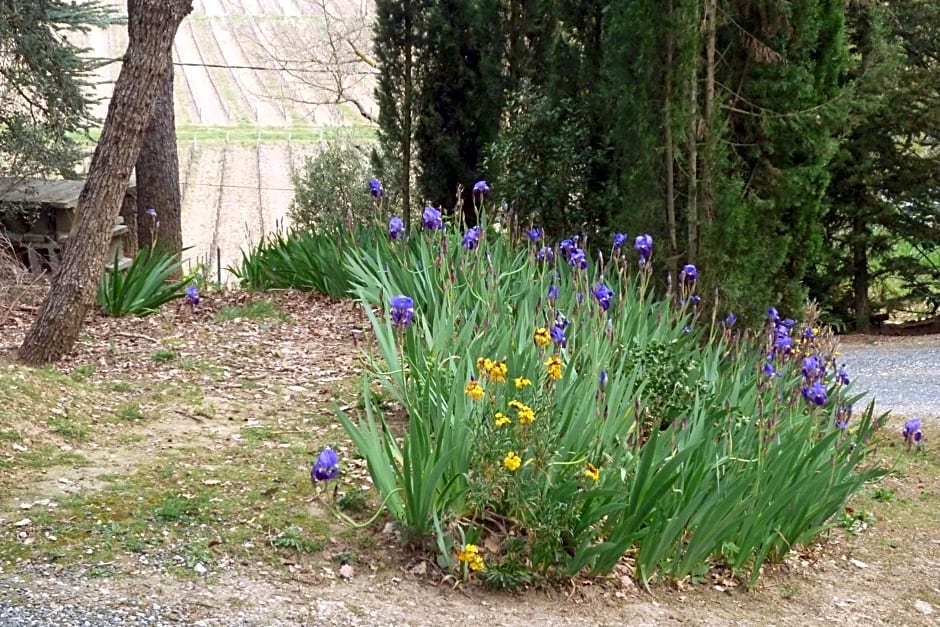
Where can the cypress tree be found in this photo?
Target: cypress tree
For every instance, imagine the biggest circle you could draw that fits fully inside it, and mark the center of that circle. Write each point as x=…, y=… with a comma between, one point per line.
x=459, y=97
x=398, y=27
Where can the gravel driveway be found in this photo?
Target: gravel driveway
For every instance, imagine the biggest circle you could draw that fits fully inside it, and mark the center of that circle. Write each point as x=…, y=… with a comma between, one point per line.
x=902, y=373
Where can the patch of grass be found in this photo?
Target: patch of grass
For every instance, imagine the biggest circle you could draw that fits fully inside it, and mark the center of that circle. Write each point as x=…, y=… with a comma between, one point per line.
x=82, y=372
x=10, y=435
x=164, y=355
x=120, y=386
x=884, y=495
x=68, y=428
x=131, y=413
x=294, y=538
x=202, y=366
x=48, y=456
x=259, y=311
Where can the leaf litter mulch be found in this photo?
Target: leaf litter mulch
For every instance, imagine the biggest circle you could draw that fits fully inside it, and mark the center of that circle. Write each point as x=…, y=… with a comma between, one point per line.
x=220, y=373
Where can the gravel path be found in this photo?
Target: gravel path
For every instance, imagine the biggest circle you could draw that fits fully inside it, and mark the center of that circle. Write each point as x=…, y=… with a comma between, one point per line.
x=902, y=373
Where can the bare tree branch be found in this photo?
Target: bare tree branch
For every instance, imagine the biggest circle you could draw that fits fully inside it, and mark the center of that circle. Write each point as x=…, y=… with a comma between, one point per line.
x=326, y=56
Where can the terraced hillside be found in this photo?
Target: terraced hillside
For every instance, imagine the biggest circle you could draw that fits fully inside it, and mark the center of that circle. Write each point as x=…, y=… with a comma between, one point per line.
x=260, y=84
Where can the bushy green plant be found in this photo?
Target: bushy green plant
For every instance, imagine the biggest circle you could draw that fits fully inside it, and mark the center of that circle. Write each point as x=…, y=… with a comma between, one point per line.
x=302, y=260
x=144, y=287
x=330, y=187
x=564, y=414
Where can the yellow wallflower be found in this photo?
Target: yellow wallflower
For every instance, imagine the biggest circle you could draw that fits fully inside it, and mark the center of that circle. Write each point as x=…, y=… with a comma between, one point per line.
x=592, y=471
x=502, y=419
x=517, y=405
x=498, y=371
x=474, y=389
x=553, y=366
x=512, y=461
x=526, y=415
x=485, y=365
x=471, y=556
x=542, y=337
x=521, y=382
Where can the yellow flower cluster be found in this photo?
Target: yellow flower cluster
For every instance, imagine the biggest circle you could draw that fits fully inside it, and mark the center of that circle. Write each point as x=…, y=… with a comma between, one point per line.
x=474, y=389
x=471, y=557
x=521, y=382
x=502, y=419
x=512, y=461
x=525, y=413
x=492, y=369
x=553, y=365
x=592, y=472
x=542, y=337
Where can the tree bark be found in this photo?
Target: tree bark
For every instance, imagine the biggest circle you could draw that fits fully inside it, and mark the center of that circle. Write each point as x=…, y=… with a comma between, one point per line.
x=860, y=276
x=407, y=114
x=669, y=152
x=158, y=168
x=60, y=317
x=129, y=213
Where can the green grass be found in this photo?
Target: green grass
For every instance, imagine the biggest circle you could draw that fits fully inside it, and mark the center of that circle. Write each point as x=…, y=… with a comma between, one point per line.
x=164, y=355
x=258, y=311
x=131, y=413
x=250, y=134
x=249, y=501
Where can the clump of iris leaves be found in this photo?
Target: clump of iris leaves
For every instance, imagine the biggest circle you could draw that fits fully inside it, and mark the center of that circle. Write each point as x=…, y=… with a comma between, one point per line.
x=672, y=443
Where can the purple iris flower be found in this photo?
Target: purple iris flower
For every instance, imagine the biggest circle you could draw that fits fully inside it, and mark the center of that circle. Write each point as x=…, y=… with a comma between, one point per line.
x=843, y=376
x=151, y=212
x=432, y=219
x=566, y=246
x=481, y=188
x=471, y=239
x=403, y=310
x=192, y=295
x=534, y=235
x=730, y=320
x=376, y=189
x=773, y=315
x=545, y=254
x=816, y=394
x=619, y=240
x=326, y=466
x=578, y=259
x=689, y=274
x=911, y=431
x=603, y=294
x=603, y=380
x=644, y=246
x=553, y=292
x=558, y=335
x=811, y=367
x=396, y=228
x=769, y=371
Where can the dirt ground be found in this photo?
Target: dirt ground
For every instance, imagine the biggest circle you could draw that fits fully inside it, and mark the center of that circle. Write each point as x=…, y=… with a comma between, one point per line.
x=886, y=573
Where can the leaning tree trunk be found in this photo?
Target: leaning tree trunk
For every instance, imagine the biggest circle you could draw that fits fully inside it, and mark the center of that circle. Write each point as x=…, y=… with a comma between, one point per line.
x=158, y=169
x=72, y=294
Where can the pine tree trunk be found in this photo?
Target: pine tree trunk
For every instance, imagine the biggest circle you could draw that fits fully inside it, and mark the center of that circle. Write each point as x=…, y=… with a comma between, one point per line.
x=860, y=278
x=669, y=152
x=158, y=170
x=60, y=317
x=129, y=213
x=406, y=127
